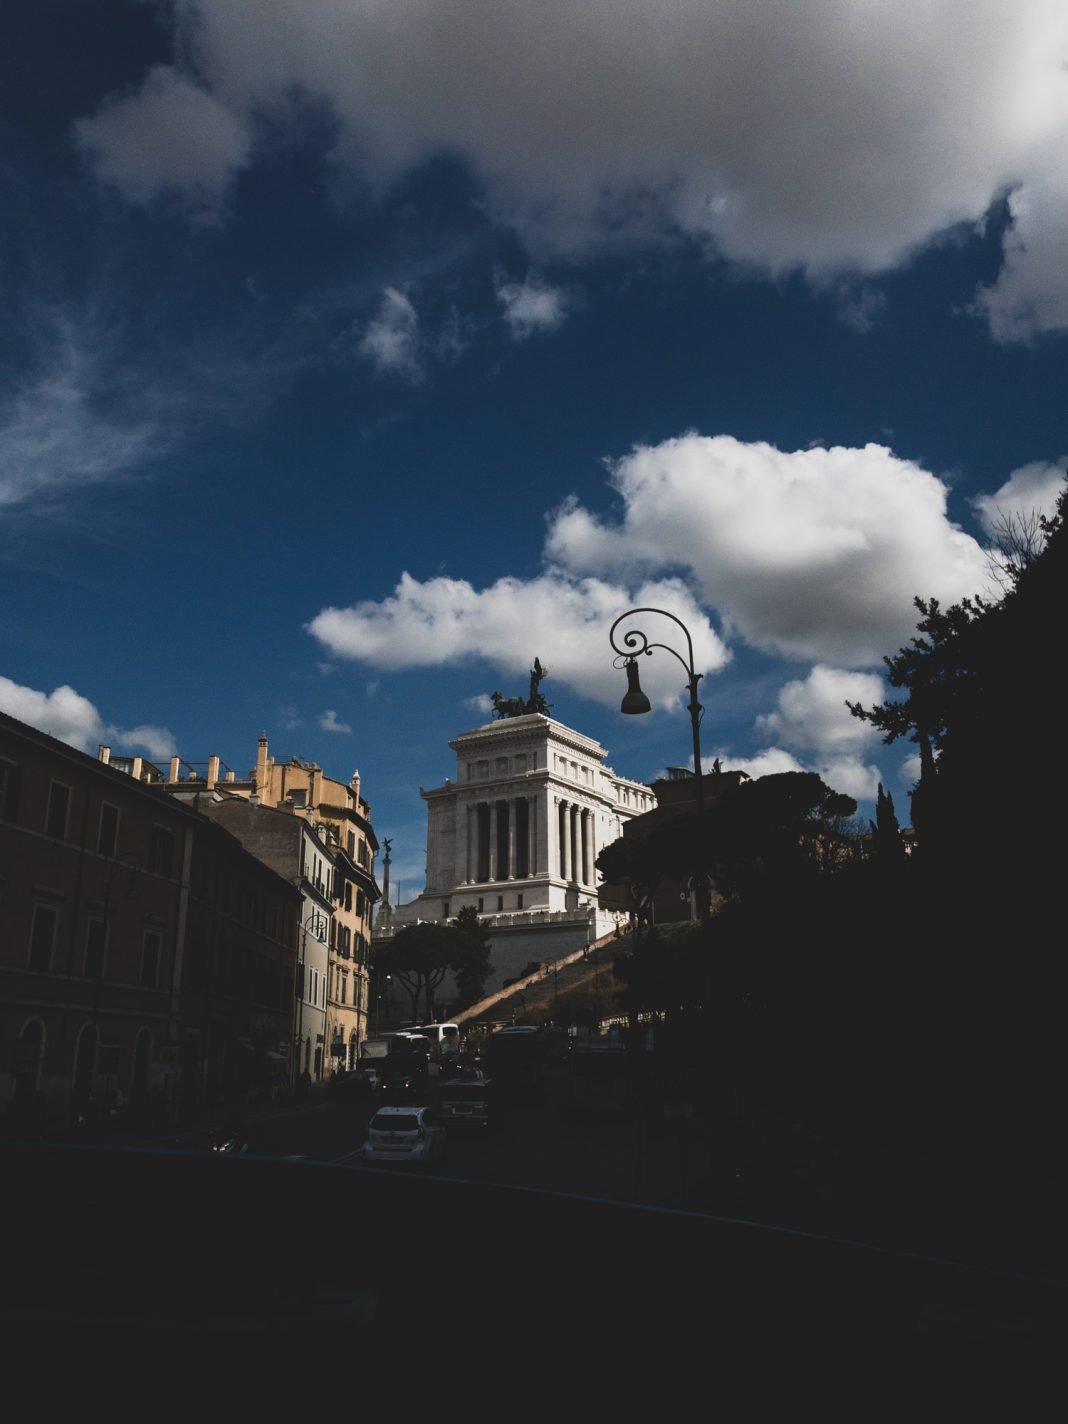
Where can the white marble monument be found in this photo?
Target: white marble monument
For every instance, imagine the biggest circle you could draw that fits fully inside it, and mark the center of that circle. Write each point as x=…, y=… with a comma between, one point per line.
x=516, y=834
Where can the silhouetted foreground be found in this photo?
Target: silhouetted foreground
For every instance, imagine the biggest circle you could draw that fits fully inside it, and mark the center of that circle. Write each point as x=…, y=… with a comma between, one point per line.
x=139, y=1243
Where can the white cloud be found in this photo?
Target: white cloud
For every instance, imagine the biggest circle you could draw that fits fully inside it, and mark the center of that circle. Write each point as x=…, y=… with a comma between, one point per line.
x=860, y=306
x=771, y=762
x=1030, y=489
x=909, y=771
x=426, y=624
x=850, y=777
x=66, y=715
x=391, y=340
x=329, y=723
x=531, y=306
x=1030, y=295
x=833, y=136
x=843, y=771
x=55, y=436
x=811, y=714
x=171, y=136
x=817, y=733
x=483, y=704
x=813, y=554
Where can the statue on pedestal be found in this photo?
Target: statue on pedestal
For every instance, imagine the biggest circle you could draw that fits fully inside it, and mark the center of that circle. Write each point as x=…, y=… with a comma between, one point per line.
x=517, y=706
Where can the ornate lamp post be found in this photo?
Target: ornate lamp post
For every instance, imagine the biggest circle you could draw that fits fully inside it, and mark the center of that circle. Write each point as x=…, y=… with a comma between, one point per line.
x=634, y=644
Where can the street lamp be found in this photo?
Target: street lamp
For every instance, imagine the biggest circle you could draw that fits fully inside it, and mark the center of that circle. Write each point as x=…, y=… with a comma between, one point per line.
x=635, y=702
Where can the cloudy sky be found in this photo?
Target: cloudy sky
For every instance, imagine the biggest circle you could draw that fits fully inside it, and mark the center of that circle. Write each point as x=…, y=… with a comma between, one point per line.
x=354, y=354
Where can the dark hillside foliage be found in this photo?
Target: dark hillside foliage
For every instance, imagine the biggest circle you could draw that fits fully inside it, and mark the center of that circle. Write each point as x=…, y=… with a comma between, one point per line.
x=910, y=1001
x=981, y=911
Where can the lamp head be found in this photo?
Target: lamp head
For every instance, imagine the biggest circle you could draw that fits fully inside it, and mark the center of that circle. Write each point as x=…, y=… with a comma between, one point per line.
x=635, y=701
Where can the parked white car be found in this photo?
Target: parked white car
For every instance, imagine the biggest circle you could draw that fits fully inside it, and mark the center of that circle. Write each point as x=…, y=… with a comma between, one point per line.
x=403, y=1134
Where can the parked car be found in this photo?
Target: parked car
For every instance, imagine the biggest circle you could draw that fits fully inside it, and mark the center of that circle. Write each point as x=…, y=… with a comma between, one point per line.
x=404, y=1134
x=466, y=1102
x=355, y=1084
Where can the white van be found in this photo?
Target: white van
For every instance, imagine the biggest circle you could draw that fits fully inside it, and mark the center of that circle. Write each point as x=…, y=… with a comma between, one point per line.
x=444, y=1039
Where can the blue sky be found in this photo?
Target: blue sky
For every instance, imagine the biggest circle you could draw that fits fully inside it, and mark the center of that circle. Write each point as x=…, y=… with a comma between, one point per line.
x=353, y=355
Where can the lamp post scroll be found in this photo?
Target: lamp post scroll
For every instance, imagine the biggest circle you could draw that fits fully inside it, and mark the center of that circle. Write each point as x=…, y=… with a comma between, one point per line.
x=632, y=644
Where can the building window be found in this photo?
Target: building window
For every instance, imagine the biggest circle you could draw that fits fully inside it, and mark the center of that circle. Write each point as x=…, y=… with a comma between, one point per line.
x=350, y=843
x=500, y=902
x=9, y=790
x=96, y=934
x=161, y=851
x=58, y=808
x=107, y=836
x=519, y=902
x=360, y=906
x=150, y=956
x=43, y=937
x=444, y=909
x=348, y=894
x=344, y=988
x=480, y=904
x=502, y=764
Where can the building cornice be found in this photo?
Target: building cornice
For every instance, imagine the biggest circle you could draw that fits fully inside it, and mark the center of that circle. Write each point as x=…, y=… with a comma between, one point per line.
x=533, y=727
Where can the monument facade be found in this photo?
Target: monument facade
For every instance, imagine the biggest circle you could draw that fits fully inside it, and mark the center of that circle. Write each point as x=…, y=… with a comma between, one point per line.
x=515, y=833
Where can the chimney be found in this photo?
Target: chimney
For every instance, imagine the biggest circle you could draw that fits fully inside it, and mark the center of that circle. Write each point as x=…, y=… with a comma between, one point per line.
x=355, y=783
x=172, y=775
x=103, y=754
x=213, y=771
x=230, y=776
x=260, y=778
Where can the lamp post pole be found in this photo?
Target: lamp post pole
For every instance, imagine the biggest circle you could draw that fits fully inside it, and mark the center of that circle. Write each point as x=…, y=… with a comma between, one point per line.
x=634, y=644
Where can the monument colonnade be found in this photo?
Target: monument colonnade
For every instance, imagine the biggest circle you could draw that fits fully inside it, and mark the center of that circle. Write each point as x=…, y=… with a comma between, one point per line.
x=518, y=837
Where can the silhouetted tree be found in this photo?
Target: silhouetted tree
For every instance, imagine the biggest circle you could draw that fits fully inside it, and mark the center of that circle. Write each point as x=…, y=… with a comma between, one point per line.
x=983, y=697
x=419, y=957
x=776, y=829
x=887, y=847
x=475, y=966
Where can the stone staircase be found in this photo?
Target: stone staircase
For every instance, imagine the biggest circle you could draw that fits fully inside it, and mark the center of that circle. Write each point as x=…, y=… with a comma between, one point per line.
x=535, y=996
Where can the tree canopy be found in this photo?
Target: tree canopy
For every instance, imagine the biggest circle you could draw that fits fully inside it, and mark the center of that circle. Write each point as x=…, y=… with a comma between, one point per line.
x=419, y=957
x=776, y=828
x=475, y=966
x=982, y=698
